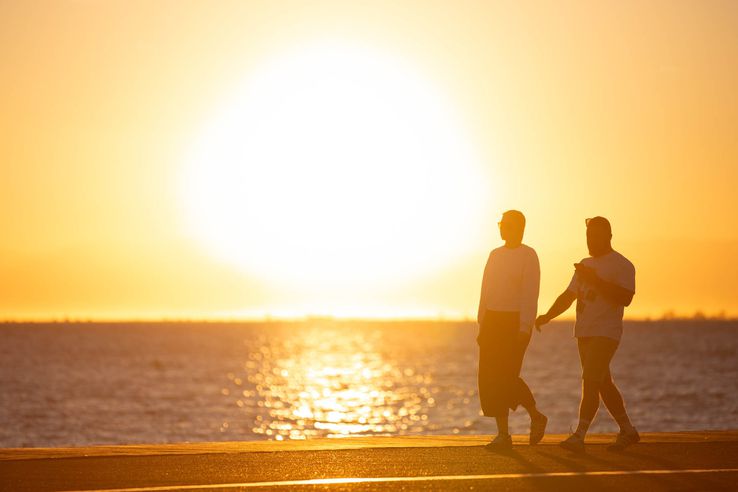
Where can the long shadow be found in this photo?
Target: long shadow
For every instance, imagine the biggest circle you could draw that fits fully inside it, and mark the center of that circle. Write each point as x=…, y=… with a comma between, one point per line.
x=579, y=462
x=575, y=461
x=698, y=482
x=667, y=482
x=528, y=467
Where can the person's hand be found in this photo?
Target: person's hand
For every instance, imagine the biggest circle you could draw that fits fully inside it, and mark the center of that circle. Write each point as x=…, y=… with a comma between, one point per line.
x=541, y=320
x=587, y=274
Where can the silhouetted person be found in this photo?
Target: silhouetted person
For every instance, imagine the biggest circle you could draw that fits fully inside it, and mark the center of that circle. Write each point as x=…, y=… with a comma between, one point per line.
x=507, y=313
x=602, y=285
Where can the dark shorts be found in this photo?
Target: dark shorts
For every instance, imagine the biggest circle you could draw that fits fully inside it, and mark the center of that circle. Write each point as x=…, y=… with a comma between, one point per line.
x=500, y=360
x=595, y=354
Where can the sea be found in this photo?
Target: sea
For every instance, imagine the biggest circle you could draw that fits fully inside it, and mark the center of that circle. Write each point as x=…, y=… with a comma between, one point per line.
x=73, y=384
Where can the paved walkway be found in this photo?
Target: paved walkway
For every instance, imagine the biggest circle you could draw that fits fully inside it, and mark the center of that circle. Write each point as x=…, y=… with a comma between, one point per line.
x=662, y=461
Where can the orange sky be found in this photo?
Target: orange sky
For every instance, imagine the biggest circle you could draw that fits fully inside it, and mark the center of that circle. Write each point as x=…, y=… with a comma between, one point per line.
x=576, y=109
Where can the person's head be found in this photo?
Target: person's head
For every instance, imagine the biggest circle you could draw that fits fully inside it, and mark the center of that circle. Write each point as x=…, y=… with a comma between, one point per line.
x=512, y=226
x=599, y=235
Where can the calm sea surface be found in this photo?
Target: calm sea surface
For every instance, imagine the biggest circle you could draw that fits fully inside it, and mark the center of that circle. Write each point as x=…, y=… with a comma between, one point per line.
x=154, y=383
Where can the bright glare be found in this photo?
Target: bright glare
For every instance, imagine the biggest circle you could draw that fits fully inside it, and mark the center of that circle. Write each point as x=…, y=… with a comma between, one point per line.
x=335, y=166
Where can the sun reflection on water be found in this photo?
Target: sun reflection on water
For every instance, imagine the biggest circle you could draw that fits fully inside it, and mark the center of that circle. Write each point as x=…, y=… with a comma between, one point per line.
x=329, y=383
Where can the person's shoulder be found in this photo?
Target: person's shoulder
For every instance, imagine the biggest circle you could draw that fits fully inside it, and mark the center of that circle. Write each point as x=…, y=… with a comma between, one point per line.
x=625, y=262
x=497, y=250
x=528, y=251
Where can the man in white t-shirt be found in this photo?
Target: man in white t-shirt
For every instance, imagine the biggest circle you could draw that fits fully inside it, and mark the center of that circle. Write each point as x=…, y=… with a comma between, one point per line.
x=507, y=313
x=603, y=284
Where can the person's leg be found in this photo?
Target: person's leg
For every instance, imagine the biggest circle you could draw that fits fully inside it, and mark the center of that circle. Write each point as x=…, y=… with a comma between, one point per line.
x=538, y=421
x=501, y=376
x=603, y=350
x=502, y=424
x=526, y=399
x=491, y=350
x=613, y=400
x=502, y=441
x=483, y=380
x=588, y=406
x=591, y=380
x=488, y=362
x=505, y=391
x=520, y=391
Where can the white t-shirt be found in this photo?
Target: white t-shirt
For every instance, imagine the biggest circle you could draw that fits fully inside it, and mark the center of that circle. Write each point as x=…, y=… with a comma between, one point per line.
x=597, y=316
x=511, y=282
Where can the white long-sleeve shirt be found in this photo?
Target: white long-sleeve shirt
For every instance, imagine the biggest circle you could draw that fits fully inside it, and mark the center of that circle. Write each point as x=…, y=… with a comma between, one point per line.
x=511, y=282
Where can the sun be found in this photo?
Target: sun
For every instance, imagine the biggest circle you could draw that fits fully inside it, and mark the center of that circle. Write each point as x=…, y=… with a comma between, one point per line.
x=334, y=166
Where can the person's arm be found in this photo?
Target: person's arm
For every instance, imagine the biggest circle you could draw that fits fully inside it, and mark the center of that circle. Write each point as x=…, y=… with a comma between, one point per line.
x=609, y=290
x=561, y=304
x=531, y=284
x=483, y=294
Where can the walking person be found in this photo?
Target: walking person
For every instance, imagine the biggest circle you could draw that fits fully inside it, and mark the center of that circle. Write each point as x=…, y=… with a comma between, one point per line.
x=603, y=285
x=506, y=316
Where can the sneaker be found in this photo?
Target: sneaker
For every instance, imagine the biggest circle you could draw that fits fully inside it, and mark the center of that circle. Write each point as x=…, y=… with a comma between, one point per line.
x=537, y=429
x=500, y=443
x=573, y=443
x=624, y=440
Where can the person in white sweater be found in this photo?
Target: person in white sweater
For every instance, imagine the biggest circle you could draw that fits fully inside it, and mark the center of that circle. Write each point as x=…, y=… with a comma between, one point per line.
x=506, y=316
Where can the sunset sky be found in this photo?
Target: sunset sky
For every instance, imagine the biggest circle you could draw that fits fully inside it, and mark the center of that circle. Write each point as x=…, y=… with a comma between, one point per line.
x=244, y=159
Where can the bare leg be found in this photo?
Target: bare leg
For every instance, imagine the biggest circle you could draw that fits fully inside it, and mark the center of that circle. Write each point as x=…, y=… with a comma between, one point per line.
x=588, y=406
x=613, y=400
x=502, y=425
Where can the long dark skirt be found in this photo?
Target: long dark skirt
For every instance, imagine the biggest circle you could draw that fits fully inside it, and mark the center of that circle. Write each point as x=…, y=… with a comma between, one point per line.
x=500, y=360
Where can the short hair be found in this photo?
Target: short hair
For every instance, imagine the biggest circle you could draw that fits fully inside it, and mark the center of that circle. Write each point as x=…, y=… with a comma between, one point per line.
x=600, y=223
x=516, y=217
